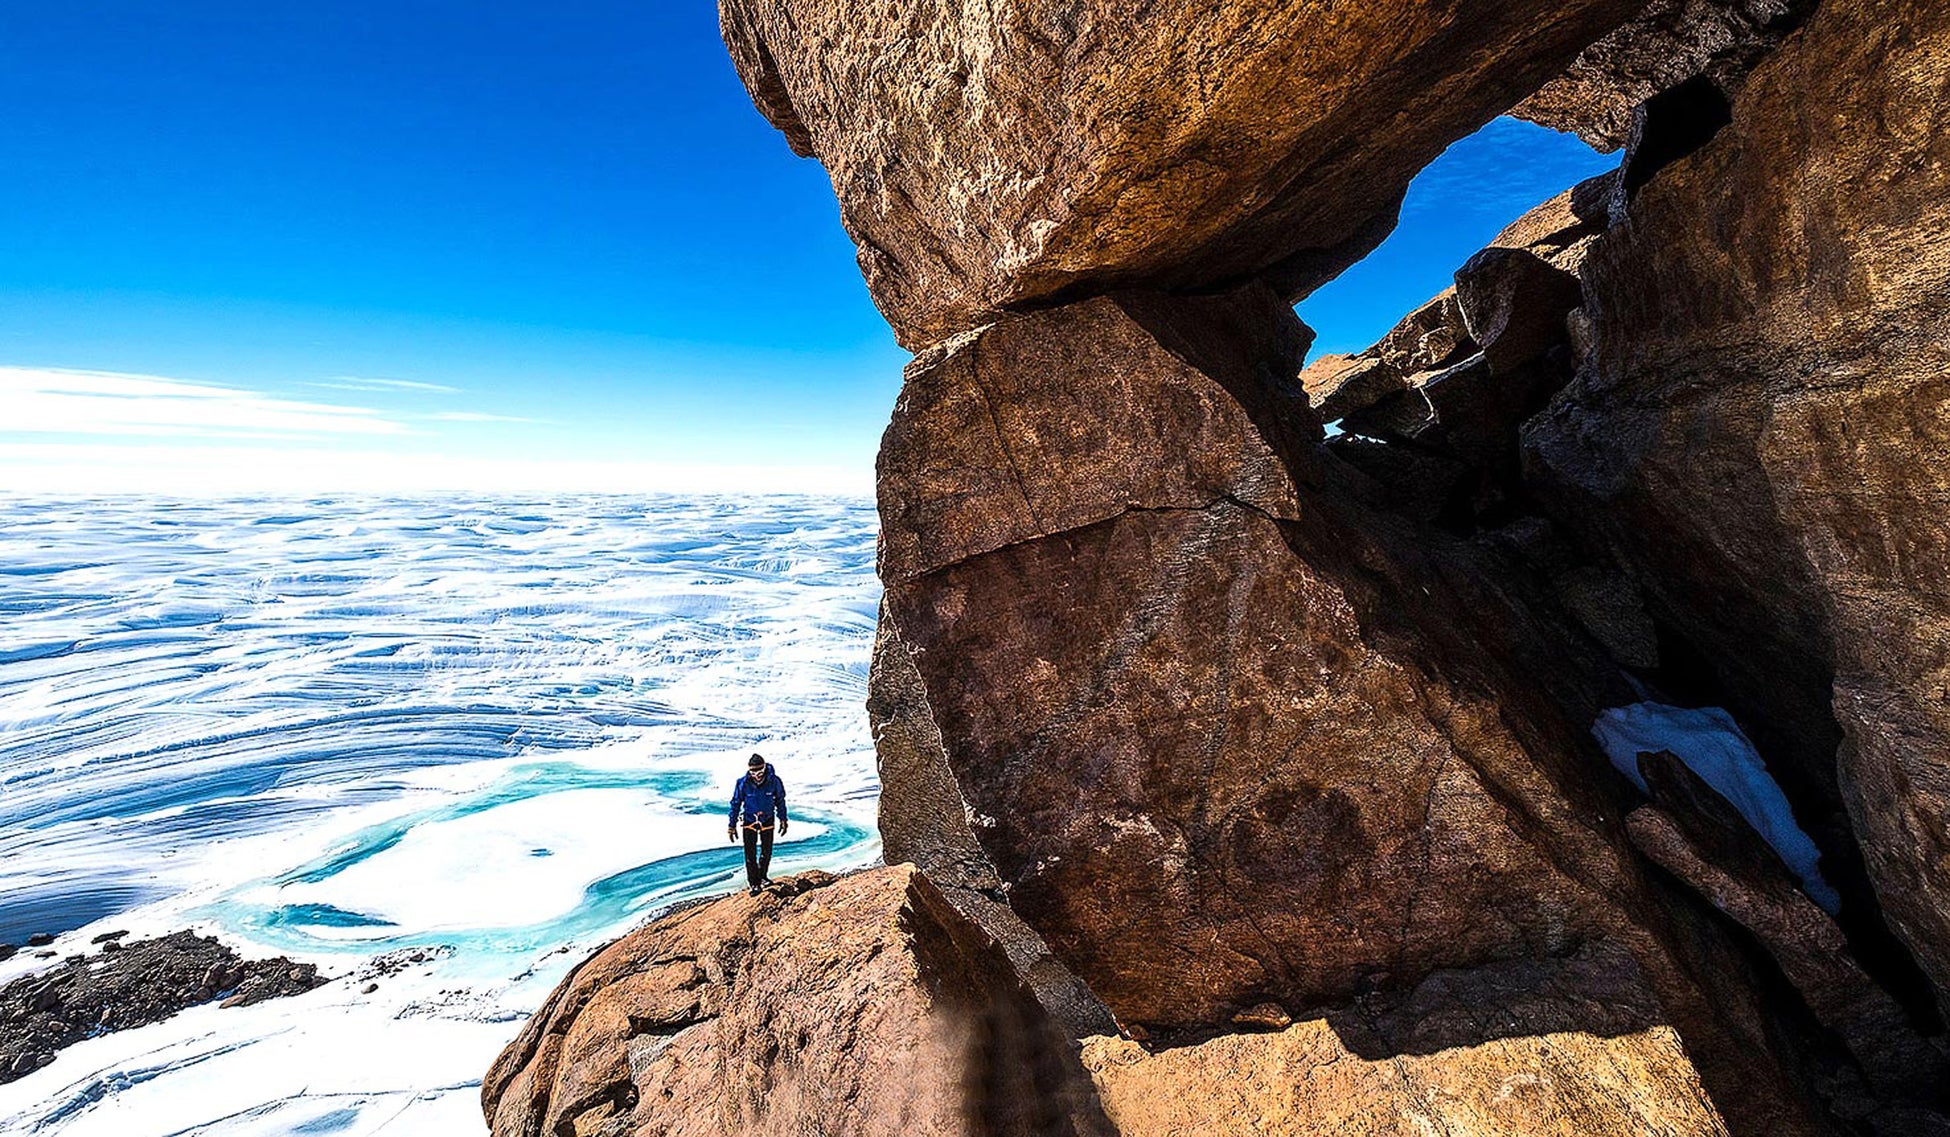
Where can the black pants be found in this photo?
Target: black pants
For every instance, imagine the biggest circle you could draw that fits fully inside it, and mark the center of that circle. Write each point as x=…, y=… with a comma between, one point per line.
x=758, y=853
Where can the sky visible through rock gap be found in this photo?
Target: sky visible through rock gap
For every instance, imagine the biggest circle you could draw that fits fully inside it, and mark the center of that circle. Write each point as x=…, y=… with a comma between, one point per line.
x=435, y=245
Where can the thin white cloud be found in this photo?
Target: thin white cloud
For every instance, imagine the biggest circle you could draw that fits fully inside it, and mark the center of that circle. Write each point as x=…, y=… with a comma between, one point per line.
x=229, y=471
x=59, y=401
x=356, y=383
x=70, y=431
x=477, y=416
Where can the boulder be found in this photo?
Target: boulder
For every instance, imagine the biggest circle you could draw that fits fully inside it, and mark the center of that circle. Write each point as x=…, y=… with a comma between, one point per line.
x=1468, y=412
x=1573, y=215
x=988, y=158
x=1670, y=42
x=1554, y=1048
x=1052, y=422
x=1224, y=737
x=1562, y=229
x=1406, y=415
x=1426, y=342
x=1340, y=385
x=1430, y=338
x=1514, y=303
x=1431, y=381
x=863, y=1004
x=1758, y=435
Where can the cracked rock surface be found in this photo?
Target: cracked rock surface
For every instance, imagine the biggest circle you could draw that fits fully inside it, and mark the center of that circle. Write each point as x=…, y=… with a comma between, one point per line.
x=1211, y=732
x=1759, y=430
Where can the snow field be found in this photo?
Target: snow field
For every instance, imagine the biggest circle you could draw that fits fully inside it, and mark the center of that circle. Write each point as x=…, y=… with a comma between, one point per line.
x=493, y=733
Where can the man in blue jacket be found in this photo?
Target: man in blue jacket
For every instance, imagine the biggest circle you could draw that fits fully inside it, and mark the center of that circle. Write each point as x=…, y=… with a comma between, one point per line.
x=756, y=803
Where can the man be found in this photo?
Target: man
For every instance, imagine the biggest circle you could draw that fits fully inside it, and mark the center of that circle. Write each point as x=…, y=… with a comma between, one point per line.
x=757, y=801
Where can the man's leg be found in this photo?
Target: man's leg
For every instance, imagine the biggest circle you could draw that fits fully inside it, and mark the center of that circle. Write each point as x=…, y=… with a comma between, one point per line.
x=754, y=874
x=765, y=855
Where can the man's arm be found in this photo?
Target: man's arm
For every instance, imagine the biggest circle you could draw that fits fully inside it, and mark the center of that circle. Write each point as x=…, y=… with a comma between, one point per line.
x=737, y=802
x=778, y=793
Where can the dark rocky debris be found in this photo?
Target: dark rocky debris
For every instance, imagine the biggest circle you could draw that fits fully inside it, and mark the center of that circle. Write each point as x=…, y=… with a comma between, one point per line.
x=129, y=985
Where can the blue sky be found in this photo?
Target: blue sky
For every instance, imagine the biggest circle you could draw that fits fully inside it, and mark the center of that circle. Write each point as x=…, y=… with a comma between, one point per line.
x=431, y=243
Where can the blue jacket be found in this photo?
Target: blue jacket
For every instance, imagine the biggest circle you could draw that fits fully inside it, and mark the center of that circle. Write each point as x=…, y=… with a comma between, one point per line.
x=759, y=803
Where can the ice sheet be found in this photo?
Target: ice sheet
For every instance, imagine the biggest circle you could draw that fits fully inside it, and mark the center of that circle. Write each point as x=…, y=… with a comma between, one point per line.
x=495, y=731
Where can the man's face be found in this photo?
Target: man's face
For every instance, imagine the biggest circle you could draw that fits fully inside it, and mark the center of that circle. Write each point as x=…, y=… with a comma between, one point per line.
x=757, y=772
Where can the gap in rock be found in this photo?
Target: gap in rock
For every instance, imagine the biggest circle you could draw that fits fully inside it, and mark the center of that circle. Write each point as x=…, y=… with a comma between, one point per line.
x=1687, y=677
x=1671, y=125
x=1454, y=207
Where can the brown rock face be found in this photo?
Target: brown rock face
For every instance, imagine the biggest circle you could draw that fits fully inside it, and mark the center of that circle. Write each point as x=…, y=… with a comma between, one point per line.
x=1430, y=338
x=923, y=822
x=859, y=1005
x=1759, y=432
x=1053, y=422
x=1208, y=744
x=1180, y=701
x=986, y=157
x=1670, y=42
x=1550, y=1048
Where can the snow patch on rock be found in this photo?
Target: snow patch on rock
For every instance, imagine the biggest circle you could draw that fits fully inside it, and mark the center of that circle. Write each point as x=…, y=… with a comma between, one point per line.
x=1713, y=746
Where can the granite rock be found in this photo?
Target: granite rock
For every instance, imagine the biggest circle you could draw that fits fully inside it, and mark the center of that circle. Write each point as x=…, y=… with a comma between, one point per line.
x=1553, y=1048
x=1669, y=43
x=988, y=157
x=1758, y=430
x=863, y=1004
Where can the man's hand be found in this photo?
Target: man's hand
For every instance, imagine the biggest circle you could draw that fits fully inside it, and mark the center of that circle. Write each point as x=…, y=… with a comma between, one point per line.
x=731, y=834
x=782, y=827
